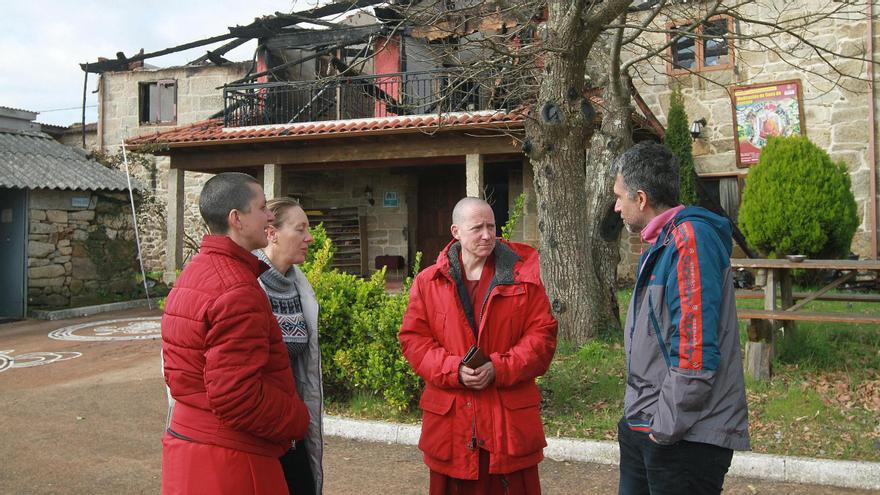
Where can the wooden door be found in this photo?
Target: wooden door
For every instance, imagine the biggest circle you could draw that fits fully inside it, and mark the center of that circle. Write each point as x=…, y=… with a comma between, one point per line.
x=440, y=188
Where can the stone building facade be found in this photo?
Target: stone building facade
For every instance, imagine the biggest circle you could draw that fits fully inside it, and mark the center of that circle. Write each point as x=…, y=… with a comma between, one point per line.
x=120, y=104
x=837, y=111
x=835, y=114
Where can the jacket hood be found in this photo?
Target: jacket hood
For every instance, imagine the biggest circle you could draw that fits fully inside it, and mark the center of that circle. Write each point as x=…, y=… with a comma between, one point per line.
x=706, y=217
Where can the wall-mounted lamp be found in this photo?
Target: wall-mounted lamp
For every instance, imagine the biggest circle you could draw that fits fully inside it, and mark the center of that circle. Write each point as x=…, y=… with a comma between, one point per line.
x=697, y=128
x=368, y=193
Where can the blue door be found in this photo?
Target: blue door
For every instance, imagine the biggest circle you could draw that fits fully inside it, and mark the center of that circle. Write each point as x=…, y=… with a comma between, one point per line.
x=13, y=259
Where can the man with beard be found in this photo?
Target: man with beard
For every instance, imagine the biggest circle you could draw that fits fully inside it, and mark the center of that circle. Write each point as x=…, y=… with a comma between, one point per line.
x=684, y=406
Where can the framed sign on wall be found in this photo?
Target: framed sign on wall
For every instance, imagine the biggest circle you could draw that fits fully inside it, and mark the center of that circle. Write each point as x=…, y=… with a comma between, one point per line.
x=761, y=111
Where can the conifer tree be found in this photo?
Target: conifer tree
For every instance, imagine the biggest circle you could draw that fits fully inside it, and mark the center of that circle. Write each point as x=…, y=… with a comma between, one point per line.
x=678, y=139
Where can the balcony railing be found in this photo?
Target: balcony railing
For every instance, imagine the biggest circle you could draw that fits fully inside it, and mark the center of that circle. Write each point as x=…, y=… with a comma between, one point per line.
x=384, y=95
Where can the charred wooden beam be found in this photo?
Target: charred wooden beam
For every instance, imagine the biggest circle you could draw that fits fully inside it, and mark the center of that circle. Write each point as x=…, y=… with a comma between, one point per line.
x=122, y=64
x=219, y=51
x=300, y=39
x=339, y=7
x=217, y=59
x=269, y=26
x=310, y=20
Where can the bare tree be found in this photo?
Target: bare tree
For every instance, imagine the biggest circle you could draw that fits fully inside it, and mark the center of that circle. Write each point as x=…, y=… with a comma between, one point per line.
x=571, y=67
x=562, y=59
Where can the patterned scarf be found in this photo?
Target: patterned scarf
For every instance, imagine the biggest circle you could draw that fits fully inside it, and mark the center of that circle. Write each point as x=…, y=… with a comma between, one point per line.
x=287, y=307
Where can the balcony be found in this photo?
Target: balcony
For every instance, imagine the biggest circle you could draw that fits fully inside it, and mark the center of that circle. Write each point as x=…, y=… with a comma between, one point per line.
x=384, y=95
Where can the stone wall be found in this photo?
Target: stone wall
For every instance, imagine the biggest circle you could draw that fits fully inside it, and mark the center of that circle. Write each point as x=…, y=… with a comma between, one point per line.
x=197, y=99
x=835, y=115
x=74, y=139
x=80, y=255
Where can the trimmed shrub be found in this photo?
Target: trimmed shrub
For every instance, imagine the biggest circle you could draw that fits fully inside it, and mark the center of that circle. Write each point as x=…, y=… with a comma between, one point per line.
x=358, y=325
x=320, y=248
x=797, y=201
x=375, y=363
x=678, y=139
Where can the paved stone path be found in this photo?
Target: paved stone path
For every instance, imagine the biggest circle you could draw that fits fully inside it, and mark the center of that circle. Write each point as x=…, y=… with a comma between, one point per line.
x=91, y=425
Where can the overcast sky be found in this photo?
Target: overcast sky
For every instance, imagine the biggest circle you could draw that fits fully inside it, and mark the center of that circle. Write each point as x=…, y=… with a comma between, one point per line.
x=42, y=43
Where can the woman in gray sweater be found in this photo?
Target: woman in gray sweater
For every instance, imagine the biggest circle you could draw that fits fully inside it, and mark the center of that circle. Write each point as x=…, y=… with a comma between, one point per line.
x=295, y=307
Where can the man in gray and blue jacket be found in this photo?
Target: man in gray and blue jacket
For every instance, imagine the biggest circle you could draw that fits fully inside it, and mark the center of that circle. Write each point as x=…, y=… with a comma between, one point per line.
x=684, y=408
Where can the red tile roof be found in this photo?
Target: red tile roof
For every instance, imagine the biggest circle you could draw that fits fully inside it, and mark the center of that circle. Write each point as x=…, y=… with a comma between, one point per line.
x=212, y=130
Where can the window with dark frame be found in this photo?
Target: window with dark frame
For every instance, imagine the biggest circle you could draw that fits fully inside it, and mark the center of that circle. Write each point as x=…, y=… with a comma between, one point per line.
x=707, y=49
x=157, y=102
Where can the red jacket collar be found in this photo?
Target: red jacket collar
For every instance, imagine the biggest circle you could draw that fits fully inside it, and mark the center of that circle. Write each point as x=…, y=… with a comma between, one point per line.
x=522, y=258
x=223, y=245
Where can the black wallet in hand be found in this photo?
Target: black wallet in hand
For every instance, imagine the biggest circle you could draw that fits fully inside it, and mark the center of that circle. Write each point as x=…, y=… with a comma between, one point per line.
x=474, y=358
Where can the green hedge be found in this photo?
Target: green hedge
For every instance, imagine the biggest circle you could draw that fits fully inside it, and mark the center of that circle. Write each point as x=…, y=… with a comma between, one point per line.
x=358, y=326
x=797, y=201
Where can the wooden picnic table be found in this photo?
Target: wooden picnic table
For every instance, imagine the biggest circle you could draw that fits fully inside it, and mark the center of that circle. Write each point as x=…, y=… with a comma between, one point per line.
x=783, y=308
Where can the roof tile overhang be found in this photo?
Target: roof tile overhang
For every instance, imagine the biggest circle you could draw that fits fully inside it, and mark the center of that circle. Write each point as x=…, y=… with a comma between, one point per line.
x=211, y=132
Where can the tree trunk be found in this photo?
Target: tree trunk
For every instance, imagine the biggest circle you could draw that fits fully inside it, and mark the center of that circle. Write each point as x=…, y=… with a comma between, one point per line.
x=603, y=230
x=578, y=268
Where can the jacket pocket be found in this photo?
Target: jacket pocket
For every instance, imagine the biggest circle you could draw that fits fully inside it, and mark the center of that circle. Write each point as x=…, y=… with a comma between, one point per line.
x=437, y=423
x=523, y=428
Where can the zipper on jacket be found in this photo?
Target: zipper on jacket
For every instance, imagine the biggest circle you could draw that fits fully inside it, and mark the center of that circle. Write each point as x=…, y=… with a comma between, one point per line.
x=473, y=443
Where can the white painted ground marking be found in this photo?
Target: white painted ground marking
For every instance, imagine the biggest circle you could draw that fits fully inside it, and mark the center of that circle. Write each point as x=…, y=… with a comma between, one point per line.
x=109, y=330
x=5, y=360
x=8, y=361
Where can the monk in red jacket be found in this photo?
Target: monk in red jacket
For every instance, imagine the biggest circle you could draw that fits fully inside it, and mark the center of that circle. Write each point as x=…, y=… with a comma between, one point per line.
x=481, y=425
x=226, y=366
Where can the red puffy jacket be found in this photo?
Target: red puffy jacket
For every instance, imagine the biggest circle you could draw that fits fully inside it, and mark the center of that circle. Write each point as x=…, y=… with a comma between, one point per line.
x=516, y=331
x=225, y=362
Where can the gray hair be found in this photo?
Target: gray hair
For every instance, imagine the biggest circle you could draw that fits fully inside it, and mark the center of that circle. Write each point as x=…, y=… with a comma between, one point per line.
x=652, y=168
x=223, y=193
x=465, y=204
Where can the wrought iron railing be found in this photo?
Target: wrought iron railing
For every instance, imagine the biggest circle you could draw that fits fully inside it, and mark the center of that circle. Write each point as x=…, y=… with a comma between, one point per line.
x=384, y=95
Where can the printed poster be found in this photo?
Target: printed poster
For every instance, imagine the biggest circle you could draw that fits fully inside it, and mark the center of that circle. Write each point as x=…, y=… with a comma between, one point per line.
x=761, y=111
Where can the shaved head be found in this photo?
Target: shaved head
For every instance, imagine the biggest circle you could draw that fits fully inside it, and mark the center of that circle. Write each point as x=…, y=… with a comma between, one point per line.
x=464, y=205
x=473, y=225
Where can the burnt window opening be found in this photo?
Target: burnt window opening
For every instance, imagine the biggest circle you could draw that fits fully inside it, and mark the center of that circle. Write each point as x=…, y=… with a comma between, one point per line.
x=706, y=49
x=157, y=102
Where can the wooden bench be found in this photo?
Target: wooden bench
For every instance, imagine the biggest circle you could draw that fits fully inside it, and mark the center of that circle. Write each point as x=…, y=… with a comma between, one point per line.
x=761, y=326
x=761, y=322
x=766, y=314
x=854, y=297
